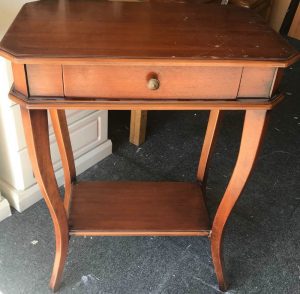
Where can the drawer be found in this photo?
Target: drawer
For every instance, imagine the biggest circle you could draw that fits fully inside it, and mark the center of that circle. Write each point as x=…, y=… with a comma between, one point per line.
x=144, y=82
x=159, y=82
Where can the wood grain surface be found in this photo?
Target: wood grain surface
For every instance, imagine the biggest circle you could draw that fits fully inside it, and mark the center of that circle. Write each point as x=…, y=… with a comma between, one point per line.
x=150, y=29
x=131, y=82
x=20, y=78
x=89, y=50
x=138, y=208
x=143, y=104
x=252, y=136
x=36, y=130
x=45, y=80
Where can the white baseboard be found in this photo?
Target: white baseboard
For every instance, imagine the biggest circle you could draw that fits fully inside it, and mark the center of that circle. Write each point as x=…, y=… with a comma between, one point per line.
x=4, y=208
x=21, y=200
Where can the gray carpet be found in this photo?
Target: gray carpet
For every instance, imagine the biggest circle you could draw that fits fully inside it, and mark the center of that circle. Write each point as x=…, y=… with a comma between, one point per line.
x=262, y=238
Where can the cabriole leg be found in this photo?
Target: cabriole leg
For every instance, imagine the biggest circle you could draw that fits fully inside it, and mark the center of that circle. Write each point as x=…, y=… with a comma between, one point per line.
x=60, y=127
x=253, y=130
x=35, y=124
x=208, y=145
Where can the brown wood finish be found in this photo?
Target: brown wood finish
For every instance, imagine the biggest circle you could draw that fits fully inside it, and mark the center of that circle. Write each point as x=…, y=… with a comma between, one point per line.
x=175, y=82
x=45, y=80
x=161, y=208
x=208, y=57
x=60, y=127
x=138, y=124
x=294, y=31
x=276, y=82
x=134, y=30
x=110, y=104
x=263, y=7
x=20, y=80
x=208, y=145
x=131, y=82
x=253, y=131
x=37, y=136
x=256, y=82
x=154, y=62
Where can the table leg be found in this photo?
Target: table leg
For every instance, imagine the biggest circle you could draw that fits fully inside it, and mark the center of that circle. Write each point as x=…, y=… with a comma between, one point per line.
x=35, y=124
x=60, y=126
x=253, y=130
x=138, y=124
x=208, y=145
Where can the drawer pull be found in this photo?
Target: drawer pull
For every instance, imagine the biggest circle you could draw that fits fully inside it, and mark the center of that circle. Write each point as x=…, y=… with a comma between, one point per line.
x=153, y=84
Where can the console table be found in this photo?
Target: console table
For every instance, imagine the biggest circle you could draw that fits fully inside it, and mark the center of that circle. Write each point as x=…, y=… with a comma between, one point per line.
x=141, y=56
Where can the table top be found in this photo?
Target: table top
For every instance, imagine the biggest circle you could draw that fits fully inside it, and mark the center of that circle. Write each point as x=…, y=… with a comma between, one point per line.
x=177, y=30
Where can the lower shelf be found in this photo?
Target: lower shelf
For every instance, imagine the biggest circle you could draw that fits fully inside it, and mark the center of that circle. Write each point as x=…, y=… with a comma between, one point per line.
x=138, y=209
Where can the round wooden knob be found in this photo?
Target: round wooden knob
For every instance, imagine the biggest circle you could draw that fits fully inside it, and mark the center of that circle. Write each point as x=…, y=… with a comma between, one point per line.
x=153, y=84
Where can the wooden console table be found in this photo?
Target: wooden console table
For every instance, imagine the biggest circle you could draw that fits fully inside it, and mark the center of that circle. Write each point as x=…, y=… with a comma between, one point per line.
x=141, y=56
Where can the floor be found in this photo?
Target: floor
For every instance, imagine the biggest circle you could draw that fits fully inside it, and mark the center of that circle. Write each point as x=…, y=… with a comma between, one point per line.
x=262, y=239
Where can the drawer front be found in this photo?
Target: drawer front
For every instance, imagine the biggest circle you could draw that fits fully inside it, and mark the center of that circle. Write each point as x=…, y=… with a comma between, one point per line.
x=167, y=82
x=109, y=81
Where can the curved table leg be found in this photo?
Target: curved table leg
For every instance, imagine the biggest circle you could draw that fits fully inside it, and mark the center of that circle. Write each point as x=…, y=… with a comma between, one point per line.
x=254, y=125
x=37, y=136
x=60, y=127
x=208, y=145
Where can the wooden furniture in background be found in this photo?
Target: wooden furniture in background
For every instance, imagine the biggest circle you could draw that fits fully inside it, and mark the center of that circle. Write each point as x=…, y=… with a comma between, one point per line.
x=278, y=12
x=263, y=7
x=123, y=55
x=294, y=31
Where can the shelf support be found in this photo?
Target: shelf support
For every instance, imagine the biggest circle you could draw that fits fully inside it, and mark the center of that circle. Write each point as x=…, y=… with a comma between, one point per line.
x=36, y=130
x=253, y=131
x=60, y=127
